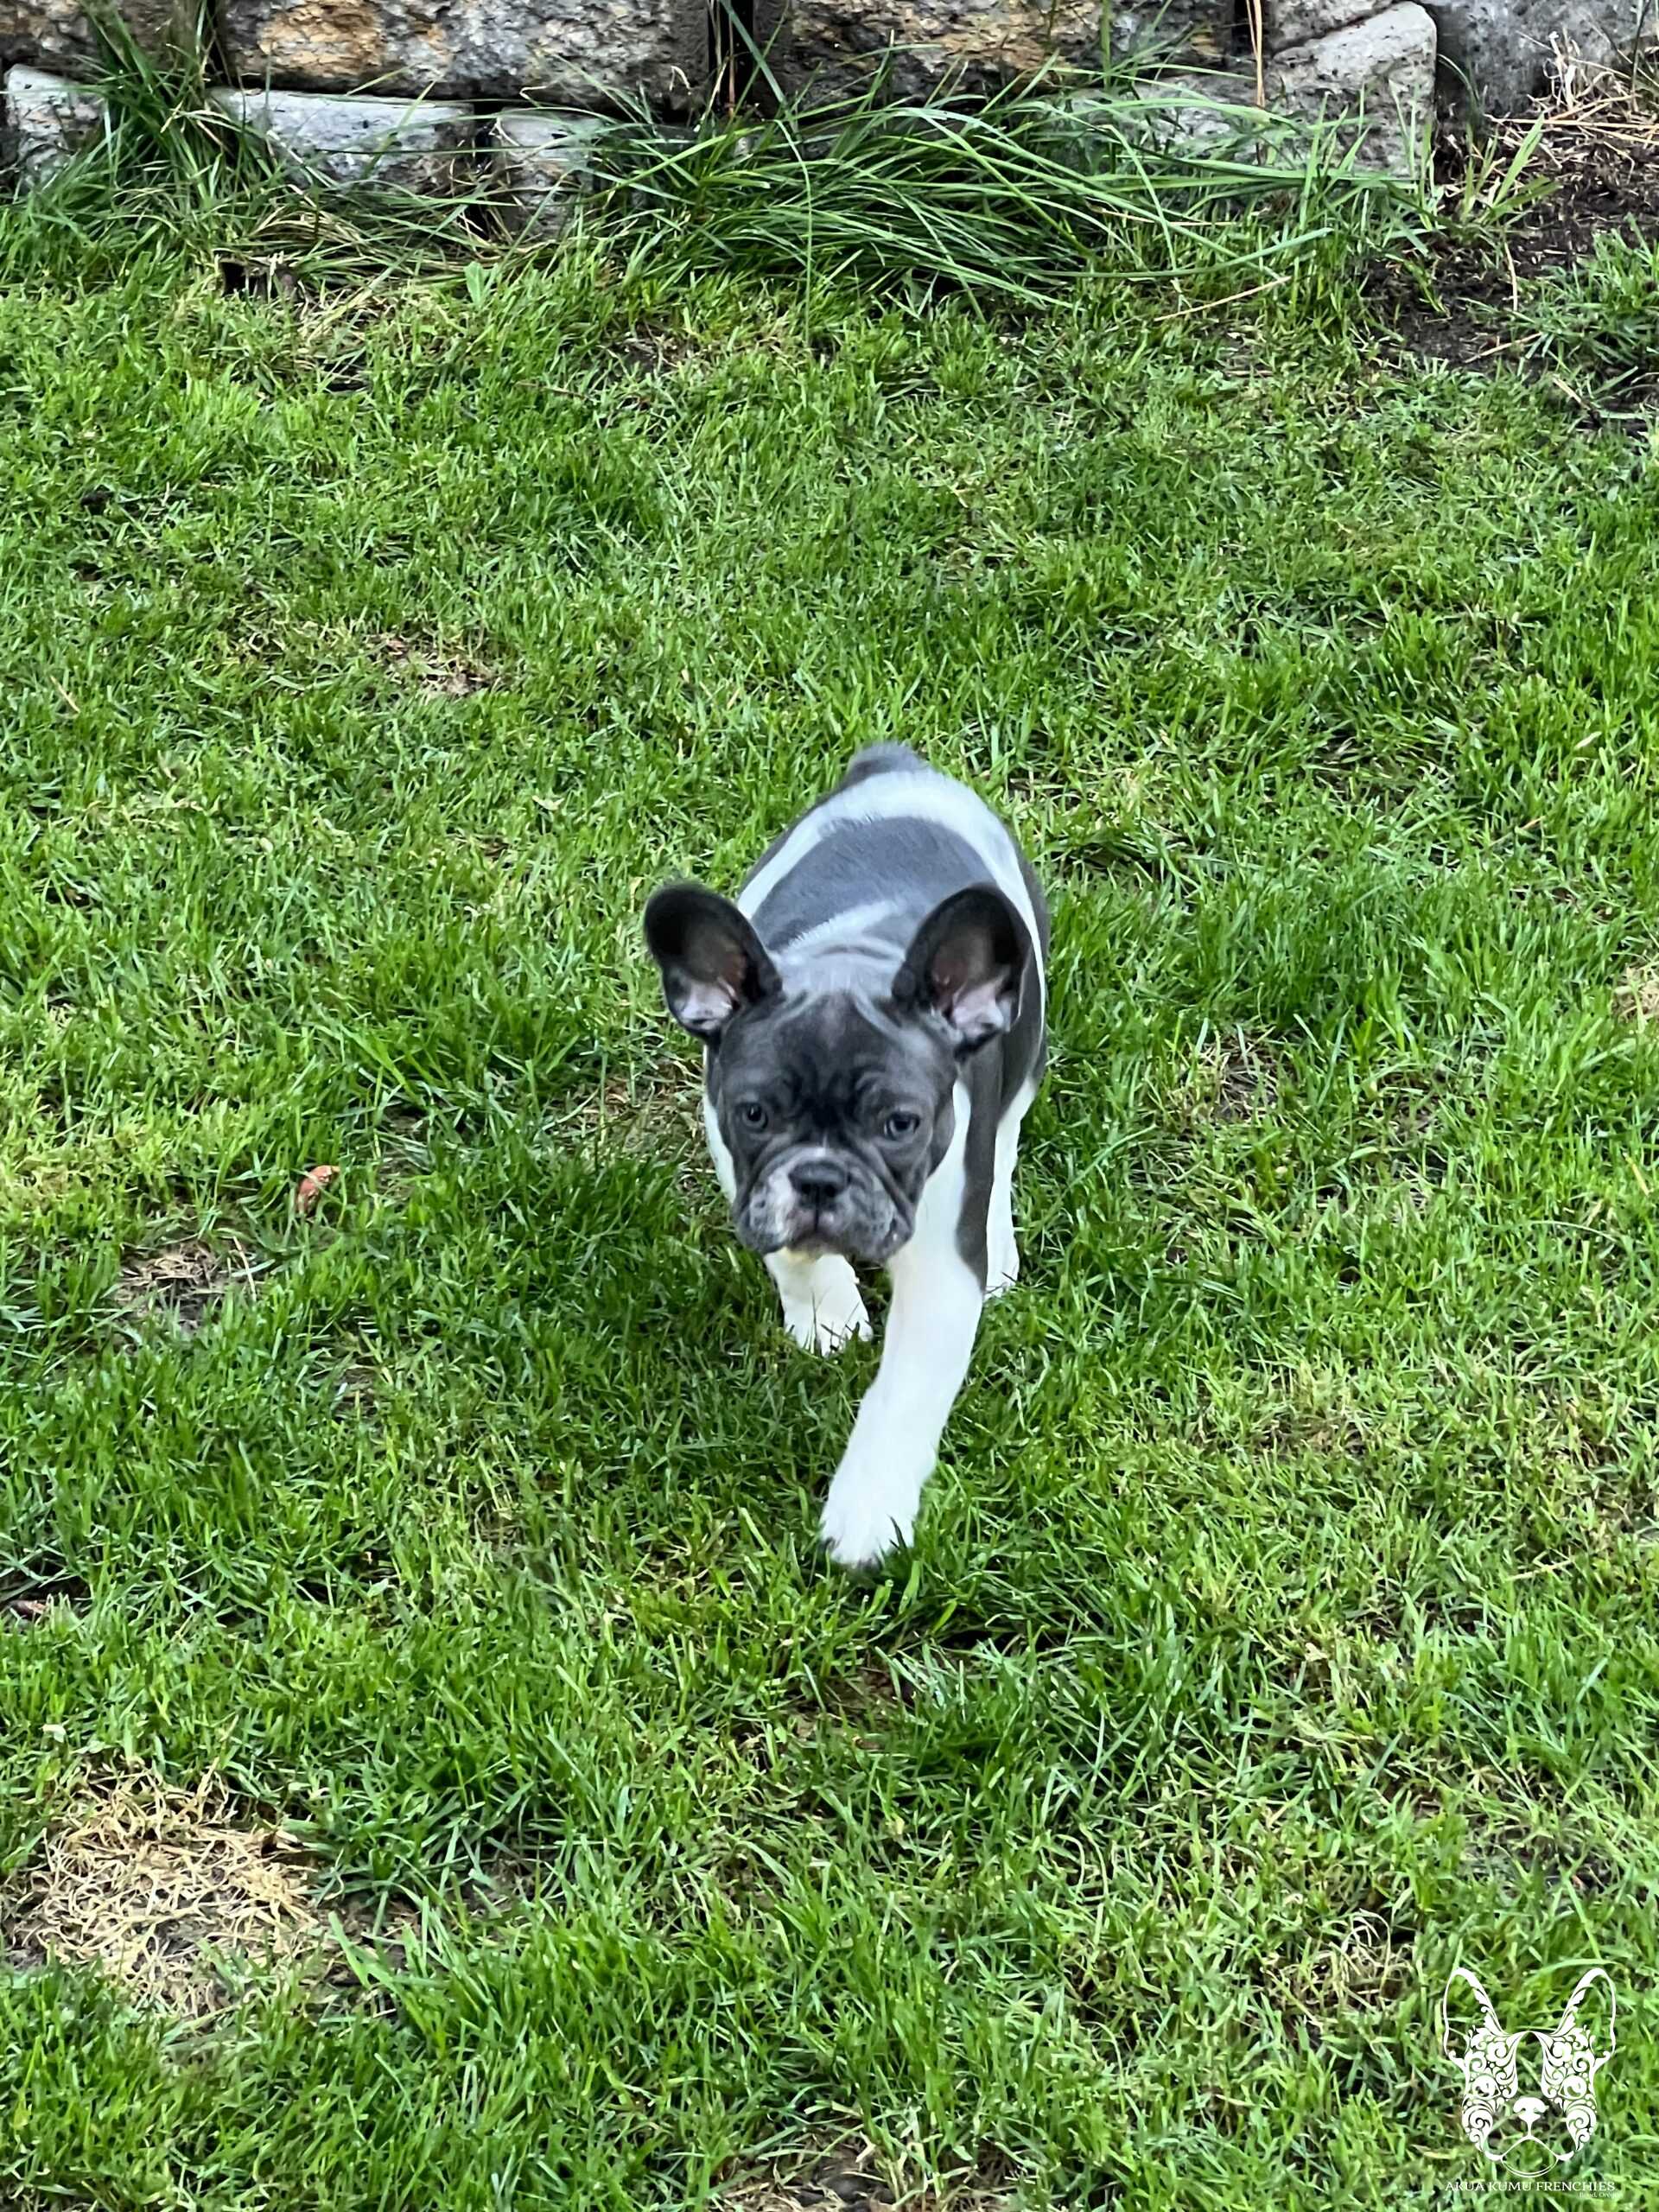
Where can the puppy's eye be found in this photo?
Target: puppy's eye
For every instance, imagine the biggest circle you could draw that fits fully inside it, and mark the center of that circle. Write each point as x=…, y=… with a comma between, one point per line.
x=901, y=1125
x=752, y=1114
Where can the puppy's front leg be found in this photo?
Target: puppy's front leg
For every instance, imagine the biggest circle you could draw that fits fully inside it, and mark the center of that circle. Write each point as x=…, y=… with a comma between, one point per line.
x=823, y=1306
x=930, y=1339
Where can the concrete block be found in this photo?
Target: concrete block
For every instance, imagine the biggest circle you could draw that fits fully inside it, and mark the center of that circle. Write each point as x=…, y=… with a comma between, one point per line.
x=47, y=121
x=543, y=162
x=408, y=146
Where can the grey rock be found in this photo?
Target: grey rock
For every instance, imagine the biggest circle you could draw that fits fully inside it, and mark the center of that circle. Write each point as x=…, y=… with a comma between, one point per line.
x=1180, y=30
x=1498, y=51
x=1295, y=22
x=412, y=145
x=570, y=52
x=544, y=162
x=1210, y=112
x=836, y=46
x=57, y=34
x=47, y=121
x=1384, y=65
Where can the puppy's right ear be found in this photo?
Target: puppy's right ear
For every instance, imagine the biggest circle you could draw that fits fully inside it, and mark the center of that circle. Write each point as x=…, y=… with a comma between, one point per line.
x=713, y=963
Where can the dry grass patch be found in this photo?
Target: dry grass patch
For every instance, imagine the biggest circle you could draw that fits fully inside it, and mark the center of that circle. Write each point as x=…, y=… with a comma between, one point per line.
x=184, y=1282
x=1234, y=1079
x=159, y=1890
x=1637, y=996
x=1594, y=103
x=846, y=2178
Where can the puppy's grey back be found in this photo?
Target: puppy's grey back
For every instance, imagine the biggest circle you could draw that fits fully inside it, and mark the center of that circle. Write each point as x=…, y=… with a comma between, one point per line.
x=862, y=869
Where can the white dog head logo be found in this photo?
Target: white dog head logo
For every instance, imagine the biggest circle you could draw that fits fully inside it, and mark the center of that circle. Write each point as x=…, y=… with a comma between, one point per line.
x=1498, y=2115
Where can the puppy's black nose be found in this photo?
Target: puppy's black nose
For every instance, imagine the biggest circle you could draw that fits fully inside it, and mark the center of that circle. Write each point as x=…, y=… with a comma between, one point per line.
x=819, y=1181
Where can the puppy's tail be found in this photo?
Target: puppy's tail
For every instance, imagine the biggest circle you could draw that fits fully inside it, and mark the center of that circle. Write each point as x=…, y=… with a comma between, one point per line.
x=876, y=759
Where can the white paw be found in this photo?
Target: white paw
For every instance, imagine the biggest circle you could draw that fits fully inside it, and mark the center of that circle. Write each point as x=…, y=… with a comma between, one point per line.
x=868, y=1512
x=831, y=1317
x=859, y=1531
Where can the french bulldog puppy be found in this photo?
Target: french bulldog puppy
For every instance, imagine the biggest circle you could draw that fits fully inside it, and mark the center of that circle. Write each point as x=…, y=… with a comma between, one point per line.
x=872, y=1010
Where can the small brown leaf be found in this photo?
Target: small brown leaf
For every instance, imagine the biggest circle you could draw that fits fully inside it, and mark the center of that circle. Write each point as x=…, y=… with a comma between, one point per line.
x=312, y=1185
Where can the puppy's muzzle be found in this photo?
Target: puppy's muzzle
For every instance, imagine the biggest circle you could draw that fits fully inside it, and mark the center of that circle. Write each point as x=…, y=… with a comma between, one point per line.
x=817, y=1202
x=818, y=1182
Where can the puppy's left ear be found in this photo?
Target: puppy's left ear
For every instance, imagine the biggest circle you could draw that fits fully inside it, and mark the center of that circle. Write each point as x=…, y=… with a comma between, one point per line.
x=967, y=963
x=713, y=963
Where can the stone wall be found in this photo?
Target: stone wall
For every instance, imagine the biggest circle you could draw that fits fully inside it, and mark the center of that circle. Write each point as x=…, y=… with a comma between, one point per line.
x=471, y=61
x=572, y=53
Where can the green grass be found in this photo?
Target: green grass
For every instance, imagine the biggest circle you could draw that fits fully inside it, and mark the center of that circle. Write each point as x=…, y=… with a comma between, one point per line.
x=1281, y=1629
x=1600, y=321
x=1008, y=199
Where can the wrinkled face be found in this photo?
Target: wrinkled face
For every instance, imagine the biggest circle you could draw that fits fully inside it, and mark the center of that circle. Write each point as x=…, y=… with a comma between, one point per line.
x=835, y=1108
x=833, y=1100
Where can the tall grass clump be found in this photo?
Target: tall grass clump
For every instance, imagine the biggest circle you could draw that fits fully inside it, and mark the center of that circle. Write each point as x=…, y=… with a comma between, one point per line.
x=1008, y=198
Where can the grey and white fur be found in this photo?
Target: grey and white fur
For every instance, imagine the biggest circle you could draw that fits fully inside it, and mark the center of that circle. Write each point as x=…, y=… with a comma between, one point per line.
x=873, y=1008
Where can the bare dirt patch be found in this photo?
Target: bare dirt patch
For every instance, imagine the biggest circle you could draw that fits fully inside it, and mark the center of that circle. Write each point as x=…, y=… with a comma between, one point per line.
x=657, y=349
x=1236, y=1079
x=163, y=1892
x=441, y=667
x=1594, y=172
x=645, y=1112
x=375, y=1940
x=28, y=1596
x=356, y=1393
x=845, y=2179
x=183, y=1282
x=443, y=672
x=1366, y=1965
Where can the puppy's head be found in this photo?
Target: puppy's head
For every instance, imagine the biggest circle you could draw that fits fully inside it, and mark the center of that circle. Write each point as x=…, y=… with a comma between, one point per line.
x=834, y=1102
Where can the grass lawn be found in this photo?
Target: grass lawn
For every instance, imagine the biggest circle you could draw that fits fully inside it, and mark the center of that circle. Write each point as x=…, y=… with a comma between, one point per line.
x=1281, y=1630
